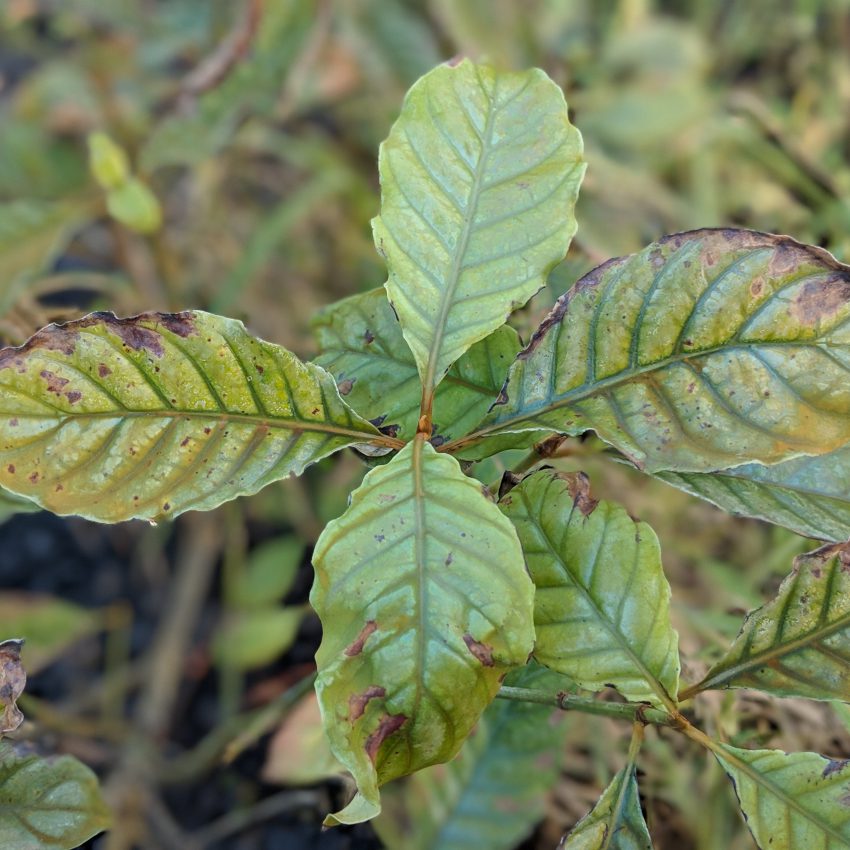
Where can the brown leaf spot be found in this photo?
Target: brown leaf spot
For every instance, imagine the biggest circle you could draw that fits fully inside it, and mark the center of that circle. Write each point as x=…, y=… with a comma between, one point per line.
x=137, y=337
x=356, y=646
x=33, y=476
x=578, y=485
x=103, y=370
x=207, y=430
x=54, y=382
x=11, y=469
x=834, y=766
x=346, y=386
x=12, y=681
x=357, y=702
x=369, y=337
x=480, y=650
x=449, y=558
x=13, y=423
x=73, y=396
x=820, y=299
x=389, y=724
x=182, y=324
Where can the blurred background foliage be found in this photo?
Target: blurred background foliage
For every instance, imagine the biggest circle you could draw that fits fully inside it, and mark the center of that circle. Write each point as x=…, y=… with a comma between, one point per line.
x=249, y=133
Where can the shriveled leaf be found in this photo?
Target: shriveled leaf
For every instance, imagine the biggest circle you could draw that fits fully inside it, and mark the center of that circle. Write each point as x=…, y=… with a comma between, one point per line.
x=48, y=624
x=425, y=604
x=362, y=346
x=615, y=822
x=707, y=350
x=148, y=417
x=479, y=179
x=13, y=679
x=251, y=639
x=798, y=644
x=601, y=605
x=48, y=802
x=809, y=495
x=790, y=801
x=269, y=573
x=494, y=792
x=299, y=752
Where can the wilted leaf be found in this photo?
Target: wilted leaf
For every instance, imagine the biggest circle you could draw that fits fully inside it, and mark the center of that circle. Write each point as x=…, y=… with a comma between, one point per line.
x=254, y=638
x=362, y=346
x=601, y=604
x=616, y=821
x=479, y=179
x=490, y=796
x=148, y=417
x=809, y=495
x=48, y=624
x=425, y=604
x=13, y=678
x=790, y=801
x=299, y=752
x=705, y=350
x=798, y=644
x=48, y=802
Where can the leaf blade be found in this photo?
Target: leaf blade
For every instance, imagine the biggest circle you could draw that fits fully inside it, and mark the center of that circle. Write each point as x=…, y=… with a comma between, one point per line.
x=445, y=607
x=695, y=354
x=113, y=419
x=471, y=146
x=600, y=589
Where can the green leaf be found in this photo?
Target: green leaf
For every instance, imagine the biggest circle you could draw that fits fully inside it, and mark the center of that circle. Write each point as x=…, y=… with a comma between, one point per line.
x=11, y=504
x=255, y=638
x=479, y=178
x=790, y=801
x=494, y=792
x=809, y=495
x=425, y=604
x=48, y=802
x=148, y=417
x=601, y=607
x=706, y=350
x=49, y=625
x=269, y=573
x=798, y=644
x=362, y=346
x=615, y=822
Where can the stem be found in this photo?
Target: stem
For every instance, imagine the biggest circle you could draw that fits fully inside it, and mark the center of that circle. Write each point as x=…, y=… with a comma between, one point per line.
x=634, y=712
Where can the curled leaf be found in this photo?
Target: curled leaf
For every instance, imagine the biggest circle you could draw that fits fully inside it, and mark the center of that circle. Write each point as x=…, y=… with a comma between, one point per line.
x=13, y=678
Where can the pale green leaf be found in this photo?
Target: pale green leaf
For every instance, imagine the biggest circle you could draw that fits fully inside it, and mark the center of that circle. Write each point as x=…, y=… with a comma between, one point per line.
x=362, y=345
x=269, y=573
x=251, y=639
x=148, y=417
x=46, y=803
x=49, y=625
x=706, y=350
x=798, y=644
x=809, y=495
x=479, y=179
x=11, y=504
x=795, y=801
x=601, y=606
x=494, y=792
x=615, y=822
x=425, y=604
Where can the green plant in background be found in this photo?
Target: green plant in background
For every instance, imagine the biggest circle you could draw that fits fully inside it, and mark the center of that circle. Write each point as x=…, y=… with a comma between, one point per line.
x=715, y=360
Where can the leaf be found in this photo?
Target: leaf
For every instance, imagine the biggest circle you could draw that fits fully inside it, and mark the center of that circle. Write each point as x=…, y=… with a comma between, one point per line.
x=601, y=608
x=809, y=495
x=148, y=417
x=790, y=801
x=798, y=644
x=479, y=178
x=48, y=624
x=11, y=504
x=255, y=638
x=615, y=822
x=494, y=792
x=269, y=573
x=13, y=678
x=48, y=802
x=362, y=346
x=425, y=604
x=706, y=350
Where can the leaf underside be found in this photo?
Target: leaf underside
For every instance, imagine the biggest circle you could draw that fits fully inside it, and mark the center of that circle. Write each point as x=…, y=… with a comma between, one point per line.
x=704, y=351
x=479, y=178
x=490, y=796
x=790, y=801
x=362, y=345
x=809, y=495
x=798, y=644
x=601, y=608
x=48, y=802
x=113, y=419
x=425, y=603
x=615, y=822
